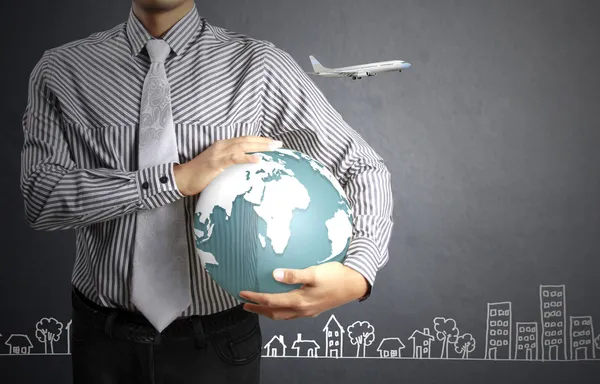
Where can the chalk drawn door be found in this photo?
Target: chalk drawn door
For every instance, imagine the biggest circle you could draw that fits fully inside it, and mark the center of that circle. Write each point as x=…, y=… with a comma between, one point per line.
x=581, y=353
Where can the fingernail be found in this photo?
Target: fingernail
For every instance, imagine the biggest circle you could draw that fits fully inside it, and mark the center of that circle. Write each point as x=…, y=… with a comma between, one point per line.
x=275, y=144
x=278, y=274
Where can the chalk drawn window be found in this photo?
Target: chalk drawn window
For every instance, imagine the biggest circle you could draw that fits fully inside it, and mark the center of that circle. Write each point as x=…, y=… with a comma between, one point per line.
x=329, y=333
x=337, y=333
x=546, y=342
x=493, y=332
x=545, y=293
x=337, y=343
x=553, y=294
x=559, y=341
x=493, y=323
x=558, y=313
x=493, y=312
x=520, y=346
x=560, y=294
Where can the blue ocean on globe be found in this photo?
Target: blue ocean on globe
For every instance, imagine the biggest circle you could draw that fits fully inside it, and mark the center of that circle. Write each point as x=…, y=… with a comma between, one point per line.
x=286, y=211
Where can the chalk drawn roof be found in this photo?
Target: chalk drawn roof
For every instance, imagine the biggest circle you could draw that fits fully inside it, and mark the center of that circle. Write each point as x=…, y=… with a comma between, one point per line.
x=307, y=343
x=390, y=343
x=419, y=334
x=18, y=340
x=279, y=338
x=333, y=318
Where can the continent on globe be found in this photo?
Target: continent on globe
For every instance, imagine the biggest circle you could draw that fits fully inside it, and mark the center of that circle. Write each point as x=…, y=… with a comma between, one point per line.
x=287, y=211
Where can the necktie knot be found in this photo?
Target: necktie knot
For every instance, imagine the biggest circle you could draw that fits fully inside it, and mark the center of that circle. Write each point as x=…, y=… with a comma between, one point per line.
x=158, y=50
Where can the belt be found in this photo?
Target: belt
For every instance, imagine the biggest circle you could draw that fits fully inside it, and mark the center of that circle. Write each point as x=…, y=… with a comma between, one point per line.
x=127, y=325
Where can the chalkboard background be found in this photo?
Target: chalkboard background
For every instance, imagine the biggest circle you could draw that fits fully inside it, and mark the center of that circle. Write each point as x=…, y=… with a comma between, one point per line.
x=493, y=141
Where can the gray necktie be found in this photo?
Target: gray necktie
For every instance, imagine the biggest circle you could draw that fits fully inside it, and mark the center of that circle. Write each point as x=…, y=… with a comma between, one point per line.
x=160, y=280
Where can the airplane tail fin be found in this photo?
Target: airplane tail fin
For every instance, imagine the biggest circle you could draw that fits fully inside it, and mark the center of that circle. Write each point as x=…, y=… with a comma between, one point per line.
x=317, y=67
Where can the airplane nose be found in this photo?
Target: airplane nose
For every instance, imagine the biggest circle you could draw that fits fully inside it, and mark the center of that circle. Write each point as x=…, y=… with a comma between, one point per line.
x=406, y=65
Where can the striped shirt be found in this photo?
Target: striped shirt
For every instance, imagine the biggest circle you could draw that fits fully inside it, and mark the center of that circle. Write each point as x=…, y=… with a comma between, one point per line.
x=79, y=158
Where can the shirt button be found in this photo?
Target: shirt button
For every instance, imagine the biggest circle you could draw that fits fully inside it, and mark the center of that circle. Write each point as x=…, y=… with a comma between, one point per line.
x=164, y=179
x=145, y=185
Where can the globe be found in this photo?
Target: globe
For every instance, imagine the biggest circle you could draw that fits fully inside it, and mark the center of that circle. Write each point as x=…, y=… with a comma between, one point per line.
x=286, y=211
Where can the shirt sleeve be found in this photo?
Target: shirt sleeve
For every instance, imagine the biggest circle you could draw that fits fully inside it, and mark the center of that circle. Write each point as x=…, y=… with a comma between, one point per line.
x=60, y=195
x=297, y=113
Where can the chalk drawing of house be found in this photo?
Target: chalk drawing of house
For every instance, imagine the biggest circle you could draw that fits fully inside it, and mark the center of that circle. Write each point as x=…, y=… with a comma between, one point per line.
x=334, y=338
x=275, y=347
x=305, y=347
x=390, y=347
x=421, y=343
x=19, y=344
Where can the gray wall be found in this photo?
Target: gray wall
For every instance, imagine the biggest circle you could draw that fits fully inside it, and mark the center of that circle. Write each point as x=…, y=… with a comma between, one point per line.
x=492, y=139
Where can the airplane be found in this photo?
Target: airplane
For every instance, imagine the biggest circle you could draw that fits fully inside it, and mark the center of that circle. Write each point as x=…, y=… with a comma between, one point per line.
x=358, y=71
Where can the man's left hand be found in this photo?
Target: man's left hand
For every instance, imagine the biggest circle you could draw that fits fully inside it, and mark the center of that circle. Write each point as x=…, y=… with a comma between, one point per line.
x=324, y=287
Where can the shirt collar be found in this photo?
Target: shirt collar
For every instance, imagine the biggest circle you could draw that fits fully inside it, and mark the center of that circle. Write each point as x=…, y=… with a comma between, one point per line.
x=177, y=37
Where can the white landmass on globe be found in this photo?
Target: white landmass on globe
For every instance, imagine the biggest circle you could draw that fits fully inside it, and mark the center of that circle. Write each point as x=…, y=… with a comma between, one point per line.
x=322, y=170
x=206, y=257
x=274, y=200
x=339, y=230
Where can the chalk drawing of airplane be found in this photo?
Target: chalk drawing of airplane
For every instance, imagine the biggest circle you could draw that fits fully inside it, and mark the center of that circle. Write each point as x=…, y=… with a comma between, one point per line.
x=358, y=71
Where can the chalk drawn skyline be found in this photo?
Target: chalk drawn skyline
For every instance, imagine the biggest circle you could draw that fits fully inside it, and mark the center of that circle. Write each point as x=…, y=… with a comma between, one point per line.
x=555, y=336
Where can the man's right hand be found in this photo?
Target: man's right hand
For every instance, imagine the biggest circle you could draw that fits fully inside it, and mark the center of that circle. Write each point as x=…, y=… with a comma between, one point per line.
x=192, y=177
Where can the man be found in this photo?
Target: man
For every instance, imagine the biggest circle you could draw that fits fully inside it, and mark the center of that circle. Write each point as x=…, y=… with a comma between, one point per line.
x=123, y=130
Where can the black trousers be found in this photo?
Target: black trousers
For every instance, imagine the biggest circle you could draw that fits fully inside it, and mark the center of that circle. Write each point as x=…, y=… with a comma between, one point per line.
x=120, y=347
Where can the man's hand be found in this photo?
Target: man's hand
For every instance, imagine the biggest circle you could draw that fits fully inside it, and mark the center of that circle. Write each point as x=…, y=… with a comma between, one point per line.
x=192, y=177
x=325, y=286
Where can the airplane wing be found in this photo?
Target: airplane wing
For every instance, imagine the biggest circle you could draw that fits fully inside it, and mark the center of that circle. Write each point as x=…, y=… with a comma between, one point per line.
x=353, y=74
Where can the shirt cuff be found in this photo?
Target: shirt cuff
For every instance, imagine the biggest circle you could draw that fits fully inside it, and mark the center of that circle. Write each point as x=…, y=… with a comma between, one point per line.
x=362, y=256
x=156, y=186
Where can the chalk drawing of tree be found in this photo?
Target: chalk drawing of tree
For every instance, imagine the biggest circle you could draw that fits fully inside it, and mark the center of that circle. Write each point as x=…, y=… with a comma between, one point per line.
x=361, y=334
x=446, y=331
x=48, y=331
x=465, y=344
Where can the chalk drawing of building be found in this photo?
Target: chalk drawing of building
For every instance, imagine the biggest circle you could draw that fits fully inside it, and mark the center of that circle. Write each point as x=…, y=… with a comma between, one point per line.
x=305, y=347
x=390, y=347
x=554, y=322
x=68, y=329
x=334, y=338
x=275, y=347
x=582, y=338
x=421, y=343
x=19, y=344
x=498, y=332
x=526, y=345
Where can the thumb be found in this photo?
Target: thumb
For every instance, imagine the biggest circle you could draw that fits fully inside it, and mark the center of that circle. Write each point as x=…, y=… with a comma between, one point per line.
x=292, y=276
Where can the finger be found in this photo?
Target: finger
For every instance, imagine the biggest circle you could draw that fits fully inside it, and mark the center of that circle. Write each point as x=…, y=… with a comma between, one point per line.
x=290, y=299
x=274, y=314
x=238, y=158
x=247, y=139
x=246, y=147
x=295, y=276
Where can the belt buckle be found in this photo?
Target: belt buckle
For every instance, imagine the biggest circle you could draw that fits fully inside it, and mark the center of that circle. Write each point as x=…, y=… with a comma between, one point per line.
x=140, y=333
